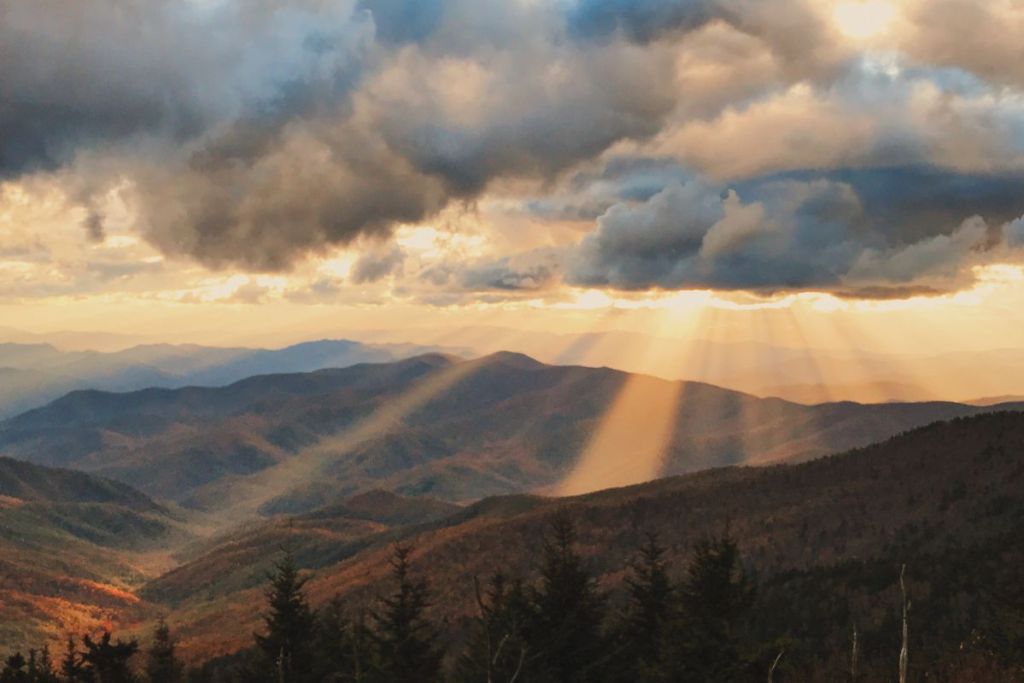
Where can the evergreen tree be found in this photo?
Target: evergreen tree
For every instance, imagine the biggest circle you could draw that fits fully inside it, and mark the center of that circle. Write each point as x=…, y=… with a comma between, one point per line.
x=40, y=666
x=14, y=669
x=342, y=646
x=405, y=641
x=499, y=649
x=566, y=633
x=648, y=624
x=290, y=624
x=162, y=665
x=72, y=668
x=715, y=598
x=107, y=661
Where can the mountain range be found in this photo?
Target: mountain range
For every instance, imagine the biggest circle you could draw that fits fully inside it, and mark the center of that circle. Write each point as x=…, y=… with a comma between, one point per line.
x=431, y=425
x=34, y=374
x=118, y=507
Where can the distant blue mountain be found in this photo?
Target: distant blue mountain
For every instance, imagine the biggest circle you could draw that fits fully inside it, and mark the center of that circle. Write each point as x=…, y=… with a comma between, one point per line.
x=31, y=375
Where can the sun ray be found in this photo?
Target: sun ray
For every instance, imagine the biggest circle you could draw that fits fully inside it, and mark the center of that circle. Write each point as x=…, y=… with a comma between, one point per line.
x=248, y=494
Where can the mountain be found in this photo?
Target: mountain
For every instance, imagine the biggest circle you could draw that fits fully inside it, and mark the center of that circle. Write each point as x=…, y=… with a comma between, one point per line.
x=867, y=374
x=34, y=374
x=995, y=400
x=68, y=339
x=826, y=539
x=871, y=392
x=432, y=425
x=73, y=547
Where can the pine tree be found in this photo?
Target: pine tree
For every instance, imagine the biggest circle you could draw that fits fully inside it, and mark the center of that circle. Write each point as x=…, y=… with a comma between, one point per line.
x=647, y=626
x=405, y=641
x=14, y=669
x=499, y=649
x=569, y=611
x=162, y=665
x=40, y=666
x=715, y=598
x=72, y=668
x=290, y=624
x=342, y=645
x=108, y=662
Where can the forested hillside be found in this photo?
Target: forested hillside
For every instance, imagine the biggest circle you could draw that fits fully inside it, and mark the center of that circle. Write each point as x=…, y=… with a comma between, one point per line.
x=826, y=541
x=73, y=548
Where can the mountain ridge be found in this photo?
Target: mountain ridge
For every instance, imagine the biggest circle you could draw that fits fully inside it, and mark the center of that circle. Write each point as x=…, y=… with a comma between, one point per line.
x=431, y=425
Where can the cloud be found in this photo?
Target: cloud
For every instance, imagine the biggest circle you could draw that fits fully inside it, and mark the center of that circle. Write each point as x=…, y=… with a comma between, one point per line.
x=732, y=144
x=640, y=20
x=119, y=72
x=531, y=271
x=376, y=264
x=979, y=36
x=1014, y=233
x=852, y=232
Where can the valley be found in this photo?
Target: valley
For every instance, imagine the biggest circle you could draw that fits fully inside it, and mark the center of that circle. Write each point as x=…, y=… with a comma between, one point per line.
x=338, y=465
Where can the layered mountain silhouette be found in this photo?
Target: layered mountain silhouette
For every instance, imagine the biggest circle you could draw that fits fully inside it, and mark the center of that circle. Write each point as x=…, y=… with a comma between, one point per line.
x=430, y=425
x=32, y=374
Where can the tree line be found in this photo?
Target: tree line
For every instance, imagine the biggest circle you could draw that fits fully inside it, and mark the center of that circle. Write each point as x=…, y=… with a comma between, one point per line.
x=559, y=627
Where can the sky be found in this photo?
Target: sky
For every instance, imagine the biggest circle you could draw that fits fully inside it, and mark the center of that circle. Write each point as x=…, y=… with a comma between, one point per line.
x=824, y=173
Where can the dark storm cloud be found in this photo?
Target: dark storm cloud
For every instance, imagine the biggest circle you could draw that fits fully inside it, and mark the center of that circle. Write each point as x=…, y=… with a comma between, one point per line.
x=73, y=73
x=869, y=232
x=254, y=132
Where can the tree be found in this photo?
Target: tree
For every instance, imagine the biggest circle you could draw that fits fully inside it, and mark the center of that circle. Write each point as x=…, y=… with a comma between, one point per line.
x=342, y=645
x=290, y=623
x=715, y=598
x=405, y=641
x=40, y=666
x=499, y=649
x=162, y=665
x=569, y=611
x=107, y=661
x=72, y=668
x=648, y=621
x=14, y=669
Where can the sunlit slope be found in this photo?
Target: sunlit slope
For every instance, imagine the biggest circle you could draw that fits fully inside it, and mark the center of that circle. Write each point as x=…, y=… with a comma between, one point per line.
x=242, y=558
x=824, y=537
x=72, y=549
x=432, y=425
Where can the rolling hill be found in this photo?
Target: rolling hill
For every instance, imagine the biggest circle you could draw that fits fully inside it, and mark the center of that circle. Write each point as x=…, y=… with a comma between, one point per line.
x=431, y=425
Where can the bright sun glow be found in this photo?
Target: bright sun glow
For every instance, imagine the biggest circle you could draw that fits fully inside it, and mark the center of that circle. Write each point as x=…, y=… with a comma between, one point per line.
x=865, y=19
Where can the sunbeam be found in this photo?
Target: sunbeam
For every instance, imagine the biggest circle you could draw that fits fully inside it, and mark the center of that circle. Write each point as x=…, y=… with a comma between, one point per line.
x=250, y=493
